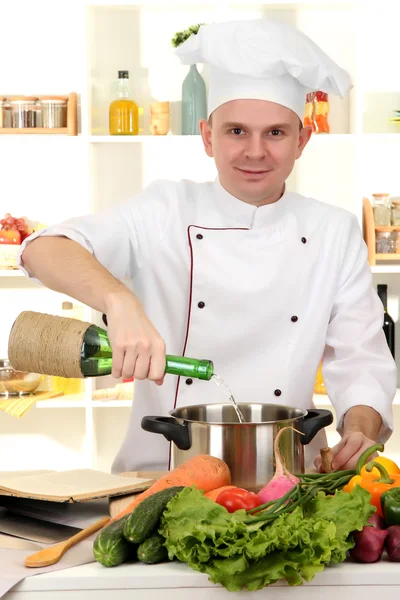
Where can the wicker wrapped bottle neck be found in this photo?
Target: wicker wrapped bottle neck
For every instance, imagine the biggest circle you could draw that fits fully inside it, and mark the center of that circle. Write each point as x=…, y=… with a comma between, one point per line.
x=41, y=343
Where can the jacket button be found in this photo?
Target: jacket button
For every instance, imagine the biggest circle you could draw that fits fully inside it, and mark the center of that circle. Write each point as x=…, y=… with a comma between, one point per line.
x=294, y=319
x=189, y=381
x=277, y=392
x=201, y=305
x=304, y=240
x=199, y=236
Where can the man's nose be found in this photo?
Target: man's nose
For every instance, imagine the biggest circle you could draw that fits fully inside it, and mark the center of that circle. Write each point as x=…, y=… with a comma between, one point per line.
x=256, y=147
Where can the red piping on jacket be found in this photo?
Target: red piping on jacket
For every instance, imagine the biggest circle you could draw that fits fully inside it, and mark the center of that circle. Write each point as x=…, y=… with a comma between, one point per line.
x=190, y=301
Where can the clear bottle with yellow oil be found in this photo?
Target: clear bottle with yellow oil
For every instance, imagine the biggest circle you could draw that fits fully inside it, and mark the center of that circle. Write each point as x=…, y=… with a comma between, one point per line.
x=124, y=112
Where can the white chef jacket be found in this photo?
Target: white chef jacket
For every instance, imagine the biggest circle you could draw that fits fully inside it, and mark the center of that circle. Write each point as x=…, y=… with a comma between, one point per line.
x=262, y=292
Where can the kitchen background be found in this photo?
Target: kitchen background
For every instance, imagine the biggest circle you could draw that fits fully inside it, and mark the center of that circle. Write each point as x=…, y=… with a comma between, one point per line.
x=58, y=48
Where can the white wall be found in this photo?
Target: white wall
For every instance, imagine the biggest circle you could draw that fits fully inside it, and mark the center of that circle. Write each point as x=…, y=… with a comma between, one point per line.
x=44, y=178
x=41, y=177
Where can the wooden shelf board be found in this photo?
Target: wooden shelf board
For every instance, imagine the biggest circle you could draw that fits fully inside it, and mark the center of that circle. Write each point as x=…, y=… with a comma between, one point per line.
x=387, y=228
x=380, y=257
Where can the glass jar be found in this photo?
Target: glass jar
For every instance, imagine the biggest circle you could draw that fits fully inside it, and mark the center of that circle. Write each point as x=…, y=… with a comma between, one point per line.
x=54, y=111
x=2, y=103
x=396, y=212
x=7, y=121
x=381, y=210
x=23, y=112
x=385, y=242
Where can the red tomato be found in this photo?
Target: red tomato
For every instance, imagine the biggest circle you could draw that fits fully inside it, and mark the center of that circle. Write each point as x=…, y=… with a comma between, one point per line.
x=238, y=498
x=10, y=236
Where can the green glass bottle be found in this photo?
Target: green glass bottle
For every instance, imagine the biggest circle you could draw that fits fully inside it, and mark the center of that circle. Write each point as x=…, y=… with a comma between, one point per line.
x=96, y=358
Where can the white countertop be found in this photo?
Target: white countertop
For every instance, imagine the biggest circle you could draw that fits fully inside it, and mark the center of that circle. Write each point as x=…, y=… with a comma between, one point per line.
x=177, y=582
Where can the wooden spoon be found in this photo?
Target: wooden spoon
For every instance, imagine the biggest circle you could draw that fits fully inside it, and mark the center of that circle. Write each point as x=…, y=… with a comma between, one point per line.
x=49, y=556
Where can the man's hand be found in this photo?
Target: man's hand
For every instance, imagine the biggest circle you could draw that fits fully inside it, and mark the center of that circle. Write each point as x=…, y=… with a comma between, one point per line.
x=360, y=431
x=138, y=348
x=346, y=452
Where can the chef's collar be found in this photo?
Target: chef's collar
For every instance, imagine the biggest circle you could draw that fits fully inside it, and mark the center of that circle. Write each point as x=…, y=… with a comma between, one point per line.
x=242, y=214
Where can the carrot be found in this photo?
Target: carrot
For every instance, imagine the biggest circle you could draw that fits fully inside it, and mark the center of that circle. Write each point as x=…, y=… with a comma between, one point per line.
x=205, y=472
x=213, y=495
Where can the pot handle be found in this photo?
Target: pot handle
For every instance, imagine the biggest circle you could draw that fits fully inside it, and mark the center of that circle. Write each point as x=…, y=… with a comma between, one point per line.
x=315, y=420
x=170, y=429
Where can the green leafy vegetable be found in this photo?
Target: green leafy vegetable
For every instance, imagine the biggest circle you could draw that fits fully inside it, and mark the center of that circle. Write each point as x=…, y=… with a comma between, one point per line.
x=240, y=554
x=182, y=36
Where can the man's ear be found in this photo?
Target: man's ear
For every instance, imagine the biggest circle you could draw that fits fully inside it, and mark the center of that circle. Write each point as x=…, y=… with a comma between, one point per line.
x=205, y=131
x=304, y=138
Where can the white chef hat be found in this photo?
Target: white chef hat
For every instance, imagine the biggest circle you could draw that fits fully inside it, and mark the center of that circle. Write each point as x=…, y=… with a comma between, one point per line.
x=264, y=60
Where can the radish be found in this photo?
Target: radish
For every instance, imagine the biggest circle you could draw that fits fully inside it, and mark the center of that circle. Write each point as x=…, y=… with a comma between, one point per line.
x=282, y=481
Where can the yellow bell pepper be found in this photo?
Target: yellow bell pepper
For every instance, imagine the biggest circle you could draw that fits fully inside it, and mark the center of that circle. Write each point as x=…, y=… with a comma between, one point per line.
x=356, y=480
x=389, y=465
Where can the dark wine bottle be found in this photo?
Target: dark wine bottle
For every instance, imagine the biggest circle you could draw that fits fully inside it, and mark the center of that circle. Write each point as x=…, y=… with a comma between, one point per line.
x=388, y=323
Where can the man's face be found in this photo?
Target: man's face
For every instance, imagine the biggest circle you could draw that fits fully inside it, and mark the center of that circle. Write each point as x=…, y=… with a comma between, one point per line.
x=255, y=144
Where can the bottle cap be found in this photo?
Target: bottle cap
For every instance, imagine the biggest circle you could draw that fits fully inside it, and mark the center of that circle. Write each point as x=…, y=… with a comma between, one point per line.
x=123, y=74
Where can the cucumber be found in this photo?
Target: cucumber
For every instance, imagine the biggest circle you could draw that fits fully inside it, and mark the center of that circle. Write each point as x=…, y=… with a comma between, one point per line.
x=145, y=518
x=152, y=550
x=110, y=548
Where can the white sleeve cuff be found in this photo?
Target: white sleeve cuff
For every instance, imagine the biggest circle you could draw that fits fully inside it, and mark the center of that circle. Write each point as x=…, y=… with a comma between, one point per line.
x=365, y=396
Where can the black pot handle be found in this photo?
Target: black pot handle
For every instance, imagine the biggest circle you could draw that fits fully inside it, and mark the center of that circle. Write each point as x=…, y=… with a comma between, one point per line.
x=315, y=420
x=170, y=429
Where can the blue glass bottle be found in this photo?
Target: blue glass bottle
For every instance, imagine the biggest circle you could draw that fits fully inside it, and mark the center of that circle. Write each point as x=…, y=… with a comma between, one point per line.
x=194, y=102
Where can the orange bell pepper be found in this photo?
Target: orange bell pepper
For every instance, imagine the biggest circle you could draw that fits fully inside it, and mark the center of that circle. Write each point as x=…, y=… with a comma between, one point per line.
x=376, y=487
x=366, y=476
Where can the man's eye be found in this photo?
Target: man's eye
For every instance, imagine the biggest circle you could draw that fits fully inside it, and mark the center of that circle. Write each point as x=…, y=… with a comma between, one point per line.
x=276, y=132
x=236, y=130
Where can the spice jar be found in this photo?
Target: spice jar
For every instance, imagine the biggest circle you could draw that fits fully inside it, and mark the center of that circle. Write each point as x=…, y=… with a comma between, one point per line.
x=381, y=210
x=396, y=212
x=54, y=111
x=321, y=110
x=308, y=120
x=385, y=242
x=23, y=111
x=7, y=121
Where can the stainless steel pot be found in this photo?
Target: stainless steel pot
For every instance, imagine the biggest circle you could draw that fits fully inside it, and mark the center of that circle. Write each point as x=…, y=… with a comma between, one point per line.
x=247, y=448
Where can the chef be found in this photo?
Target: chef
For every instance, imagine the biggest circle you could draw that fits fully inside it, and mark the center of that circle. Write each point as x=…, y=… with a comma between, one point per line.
x=262, y=281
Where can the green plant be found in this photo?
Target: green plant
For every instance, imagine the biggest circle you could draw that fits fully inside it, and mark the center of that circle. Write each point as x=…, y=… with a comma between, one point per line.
x=182, y=36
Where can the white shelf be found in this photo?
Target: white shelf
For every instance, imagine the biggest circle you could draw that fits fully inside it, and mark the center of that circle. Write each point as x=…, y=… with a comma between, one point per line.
x=137, y=139
x=111, y=403
x=11, y=273
x=381, y=137
x=386, y=269
x=156, y=139
x=320, y=138
x=71, y=402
